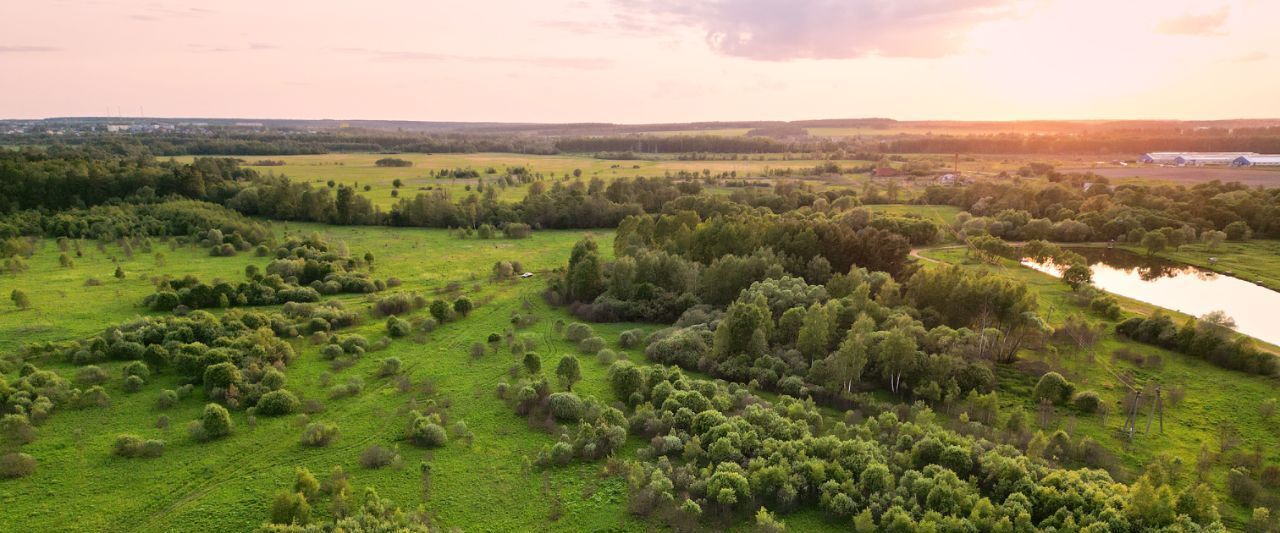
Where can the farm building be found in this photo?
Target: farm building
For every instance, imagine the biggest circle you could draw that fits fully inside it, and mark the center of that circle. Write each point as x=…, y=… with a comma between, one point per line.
x=1191, y=158
x=1261, y=160
x=1195, y=160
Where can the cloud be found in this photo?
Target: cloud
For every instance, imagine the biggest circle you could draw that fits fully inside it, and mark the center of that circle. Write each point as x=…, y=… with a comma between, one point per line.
x=1256, y=55
x=584, y=63
x=27, y=49
x=263, y=46
x=1195, y=24
x=779, y=30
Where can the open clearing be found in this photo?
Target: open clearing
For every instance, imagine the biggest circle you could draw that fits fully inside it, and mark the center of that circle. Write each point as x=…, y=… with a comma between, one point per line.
x=1187, y=175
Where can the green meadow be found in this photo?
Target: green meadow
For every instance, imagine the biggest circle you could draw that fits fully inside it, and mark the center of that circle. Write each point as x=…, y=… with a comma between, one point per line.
x=360, y=170
x=1205, y=398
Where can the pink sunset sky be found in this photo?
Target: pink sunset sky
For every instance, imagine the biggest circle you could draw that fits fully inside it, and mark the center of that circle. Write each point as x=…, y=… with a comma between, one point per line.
x=641, y=60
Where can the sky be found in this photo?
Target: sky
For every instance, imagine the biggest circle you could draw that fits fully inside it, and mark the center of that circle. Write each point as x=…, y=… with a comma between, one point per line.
x=641, y=61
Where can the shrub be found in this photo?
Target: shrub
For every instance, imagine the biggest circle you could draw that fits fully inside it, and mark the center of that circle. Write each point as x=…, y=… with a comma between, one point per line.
x=319, y=434
x=568, y=371
x=1054, y=387
x=532, y=363
x=1087, y=401
x=290, y=508
x=562, y=453
x=390, y=366
x=398, y=327
x=137, y=368
x=134, y=446
x=426, y=431
x=577, y=331
x=133, y=384
x=440, y=310
x=565, y=406
x=591, y=345
x=376, y=456
x=352, y=387
x=16, y=430
x=606, y=356
x=92, y=375
x=331, y=352
x=277, y=403
x=16, y=465
x=462, y=306
x=630, y=338
x=167, y=399
x=214, y=424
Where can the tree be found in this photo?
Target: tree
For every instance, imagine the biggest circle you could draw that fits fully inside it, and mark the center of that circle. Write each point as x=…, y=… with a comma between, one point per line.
x=1077, y=275
x=1213, y=239
x=119, y=272
x=812, y=340
x=216, y=421
x=568, y=371
x=849, y=360
x=532, y=363
x=745, y=329
x=1154, y=242
x=897, y=355
x=462, y=306
x=20, y=299
x=440, y=310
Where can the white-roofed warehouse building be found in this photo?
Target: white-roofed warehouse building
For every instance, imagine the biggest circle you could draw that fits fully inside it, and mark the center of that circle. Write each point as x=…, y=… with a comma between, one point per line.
x=1260, y=160
x=1192, y=158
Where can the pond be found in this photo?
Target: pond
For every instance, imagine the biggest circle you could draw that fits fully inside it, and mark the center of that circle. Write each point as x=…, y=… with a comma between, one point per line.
x=1183, y=288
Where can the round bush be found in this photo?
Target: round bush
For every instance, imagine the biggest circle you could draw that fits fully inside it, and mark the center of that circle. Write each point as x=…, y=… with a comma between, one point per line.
x=630, y=338
x=398, y=327
x=565, y=406
x=133, y=384
x=577, y=331
x=167, y=399
x=1053, y=387
x=1087, y=401
x=277, y=403
x=591, y=345
x=429, y=434
x=16, y=465
x=562, y=453
x=319, y=434
x=216, y=421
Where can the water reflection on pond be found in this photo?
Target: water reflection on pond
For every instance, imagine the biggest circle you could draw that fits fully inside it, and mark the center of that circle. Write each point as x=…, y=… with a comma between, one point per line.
x=1182, y=288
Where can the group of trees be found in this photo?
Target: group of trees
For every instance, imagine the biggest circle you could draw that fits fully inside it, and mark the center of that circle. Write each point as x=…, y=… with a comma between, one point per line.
x=716, y=452
x=304, y=269
x=1066, y=210
x=1206, y=338
x=671, y=262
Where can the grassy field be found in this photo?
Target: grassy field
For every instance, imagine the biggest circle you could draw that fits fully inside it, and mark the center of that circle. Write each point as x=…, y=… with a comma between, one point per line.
x=358, y=169
x=227, y=484
x=942, y=214
x=1257, y=260
x=1213, y=396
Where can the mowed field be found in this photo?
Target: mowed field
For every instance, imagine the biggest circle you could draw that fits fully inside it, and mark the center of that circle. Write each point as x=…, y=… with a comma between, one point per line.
x=360, y=170
x=1188, y=175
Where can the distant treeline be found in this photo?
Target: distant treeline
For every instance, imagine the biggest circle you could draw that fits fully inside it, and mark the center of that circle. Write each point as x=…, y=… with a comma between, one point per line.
x=36, y=185
x=1258, y=140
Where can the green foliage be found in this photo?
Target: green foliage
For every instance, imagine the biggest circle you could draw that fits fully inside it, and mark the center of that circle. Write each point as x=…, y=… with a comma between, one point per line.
x=135, y=446
x=319, y=434
x=214, y=424
x=1054, y=388
x=568, y=371
x=426, y=430
x=278, y=403
x=565, y=406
